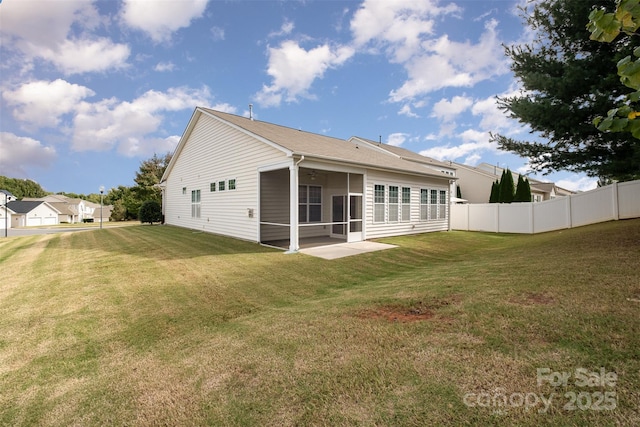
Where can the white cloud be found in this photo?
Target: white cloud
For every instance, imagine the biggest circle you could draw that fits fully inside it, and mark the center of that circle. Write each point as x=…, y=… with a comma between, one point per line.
x=294, y=69
x=143, y=147
x=160, y=20
x=165, y=66
x=217, y=33
x=286, y=28
x=17, y=153
x=578, y=183
x=42, y=103
x=397, y=26
x=44, y=24
x=474, y=143
x=81, y=56
x=45, y=30
x=445, y=63
x=101, y=126
x=447, y=110
x=407, y=111
x=397, y=139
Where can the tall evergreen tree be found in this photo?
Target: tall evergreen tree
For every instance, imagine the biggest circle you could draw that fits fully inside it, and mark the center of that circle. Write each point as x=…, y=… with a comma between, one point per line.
x=149, y=175
x=568, y=81
x=523, y=190
x=495, y=192
x=507, y=188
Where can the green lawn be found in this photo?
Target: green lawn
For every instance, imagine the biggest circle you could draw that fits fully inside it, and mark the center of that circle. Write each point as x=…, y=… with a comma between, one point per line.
x=155, y=325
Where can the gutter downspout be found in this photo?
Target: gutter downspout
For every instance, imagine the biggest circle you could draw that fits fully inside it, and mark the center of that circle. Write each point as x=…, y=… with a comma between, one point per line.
x=294, y=244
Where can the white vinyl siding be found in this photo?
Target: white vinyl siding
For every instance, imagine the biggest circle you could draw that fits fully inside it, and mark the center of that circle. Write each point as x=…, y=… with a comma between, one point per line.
x=212, y=152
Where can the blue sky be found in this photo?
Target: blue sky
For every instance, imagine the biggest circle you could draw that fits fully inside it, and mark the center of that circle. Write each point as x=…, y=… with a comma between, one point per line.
x=92, y=88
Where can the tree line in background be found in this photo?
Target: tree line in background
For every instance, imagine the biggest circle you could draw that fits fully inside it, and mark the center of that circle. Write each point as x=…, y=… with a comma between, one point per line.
x=126, y=201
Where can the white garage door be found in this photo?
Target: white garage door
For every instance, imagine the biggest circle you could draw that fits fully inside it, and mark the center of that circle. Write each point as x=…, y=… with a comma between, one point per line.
x=34, y=221
x=51, y=220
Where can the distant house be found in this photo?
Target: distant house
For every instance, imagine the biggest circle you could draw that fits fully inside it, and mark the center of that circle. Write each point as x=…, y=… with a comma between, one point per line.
x=475, y=183
x=5, y=217
x=71, y=210
x=32, y=213
x=101, y=213
x=276, y=185
x=6, y=197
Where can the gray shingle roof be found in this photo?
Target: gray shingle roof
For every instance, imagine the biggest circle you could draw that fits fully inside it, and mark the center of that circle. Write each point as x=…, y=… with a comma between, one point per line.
x=22, y=207
x=324, y=147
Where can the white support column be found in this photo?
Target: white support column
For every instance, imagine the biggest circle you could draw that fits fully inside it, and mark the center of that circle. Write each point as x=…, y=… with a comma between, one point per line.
x=293, y=208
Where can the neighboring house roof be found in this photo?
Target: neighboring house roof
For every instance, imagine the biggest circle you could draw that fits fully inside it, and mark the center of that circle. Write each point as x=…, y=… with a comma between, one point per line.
x=301, y=143
x=7, y=193
x=106, y=211
x=64, y=208
x=535, y=184
x=546, y=187
x=403, y=153
x=23, y=207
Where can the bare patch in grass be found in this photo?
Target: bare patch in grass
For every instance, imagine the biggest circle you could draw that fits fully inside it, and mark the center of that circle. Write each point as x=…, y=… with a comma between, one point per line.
x=532, y=298
x=408, y=312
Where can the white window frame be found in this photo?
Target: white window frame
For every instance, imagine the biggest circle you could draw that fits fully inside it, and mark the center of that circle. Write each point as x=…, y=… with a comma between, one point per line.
x=424, y=204
x=393, y=203
x=196, y=203
x=307, y=204
x=379, y=207
x=405, y=215
x=442, y=204
x=230, y=182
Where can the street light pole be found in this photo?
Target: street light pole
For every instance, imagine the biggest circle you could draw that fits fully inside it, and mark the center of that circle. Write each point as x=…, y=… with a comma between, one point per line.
x=101, y=194
x=6, y=216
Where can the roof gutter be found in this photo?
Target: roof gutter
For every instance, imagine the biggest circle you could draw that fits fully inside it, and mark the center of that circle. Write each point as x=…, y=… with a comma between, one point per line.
x=370, y=166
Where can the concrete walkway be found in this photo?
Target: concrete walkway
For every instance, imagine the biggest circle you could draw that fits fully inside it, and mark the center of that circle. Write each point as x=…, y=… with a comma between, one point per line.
x=342, y=250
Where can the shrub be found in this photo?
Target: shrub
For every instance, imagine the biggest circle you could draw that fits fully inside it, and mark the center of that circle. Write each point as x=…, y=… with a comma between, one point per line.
x=150, y=212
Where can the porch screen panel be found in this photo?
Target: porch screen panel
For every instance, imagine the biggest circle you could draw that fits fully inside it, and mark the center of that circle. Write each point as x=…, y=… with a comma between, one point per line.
x=315, y=203
x=302, y=203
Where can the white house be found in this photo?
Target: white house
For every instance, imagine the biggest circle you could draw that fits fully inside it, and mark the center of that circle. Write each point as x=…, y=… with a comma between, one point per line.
x=32, y=213
x=71, y=210
x=276, y=185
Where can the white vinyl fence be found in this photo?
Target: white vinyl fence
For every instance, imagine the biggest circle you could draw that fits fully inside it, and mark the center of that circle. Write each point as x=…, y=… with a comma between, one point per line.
x=616, y=201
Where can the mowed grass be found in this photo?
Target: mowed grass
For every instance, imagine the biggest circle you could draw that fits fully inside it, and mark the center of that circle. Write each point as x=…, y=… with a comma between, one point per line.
x=156, y=325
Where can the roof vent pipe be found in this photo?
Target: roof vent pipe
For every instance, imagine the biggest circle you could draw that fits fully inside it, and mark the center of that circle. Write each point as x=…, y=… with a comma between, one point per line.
x=251, y=111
